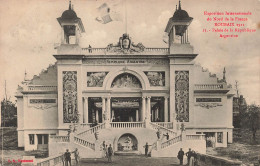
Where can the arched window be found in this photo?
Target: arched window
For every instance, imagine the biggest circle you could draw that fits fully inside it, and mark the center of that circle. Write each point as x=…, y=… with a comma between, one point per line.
x=126, y=80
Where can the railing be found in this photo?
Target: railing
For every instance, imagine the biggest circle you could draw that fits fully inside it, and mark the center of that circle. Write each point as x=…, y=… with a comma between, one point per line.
x=168, y=125
x=195, y=137
x=53, y=160
x=210, y=86
x=40, y=88
x=84, y=143
x=92, y=130
x=55, y=138
x=205, y=159
x=96, y=51
x=126, y=124
x=171, y=141
x=165, y=130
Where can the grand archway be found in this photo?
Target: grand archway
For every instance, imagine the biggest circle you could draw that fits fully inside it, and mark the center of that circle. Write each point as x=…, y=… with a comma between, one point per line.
x=127, y=142
x=126, y=80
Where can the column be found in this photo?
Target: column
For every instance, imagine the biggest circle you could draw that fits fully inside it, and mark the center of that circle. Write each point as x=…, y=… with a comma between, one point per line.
x=148, y=113
x=136, y=116
x=97, y=118
x=62, y=35
x=156, y=114
x=108, y=116
x=113, y=114
x=166, y=111
x=85, y=112
x=103, y=107
x=143, y=109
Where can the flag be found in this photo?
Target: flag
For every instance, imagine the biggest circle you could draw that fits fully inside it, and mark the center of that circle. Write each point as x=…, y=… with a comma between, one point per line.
x=109, y=12
x=165, y=38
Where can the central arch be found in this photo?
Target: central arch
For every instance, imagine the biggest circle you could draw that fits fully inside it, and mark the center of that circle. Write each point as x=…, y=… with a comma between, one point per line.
x=138, y=74
x=127, y=142
x=126, y=80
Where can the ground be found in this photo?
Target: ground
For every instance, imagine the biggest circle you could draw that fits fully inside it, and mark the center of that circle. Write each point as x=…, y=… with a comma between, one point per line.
x=131, y=160
x=243, y=149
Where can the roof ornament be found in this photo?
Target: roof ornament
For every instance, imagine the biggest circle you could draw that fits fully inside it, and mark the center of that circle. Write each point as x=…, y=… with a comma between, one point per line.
x=179, y=4
x=176, y=8
x=70, y=5
x=224, y=74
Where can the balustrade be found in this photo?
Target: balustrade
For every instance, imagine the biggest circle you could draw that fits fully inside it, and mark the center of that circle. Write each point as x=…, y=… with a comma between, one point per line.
x=55, y=138
x=95, y=51
x=84, y=143
x=126, y=124
x=40, y=88
x=92, y=130
x=168, y=125
x=195, y=137
x=171, y=141
x=53, y=160
x=163, y=129
x=209, y=86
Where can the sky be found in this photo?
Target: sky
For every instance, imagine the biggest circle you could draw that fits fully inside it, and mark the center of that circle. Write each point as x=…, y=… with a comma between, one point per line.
x=29, y=31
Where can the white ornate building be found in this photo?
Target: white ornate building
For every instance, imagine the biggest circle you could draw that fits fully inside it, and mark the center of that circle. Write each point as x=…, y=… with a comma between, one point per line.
x=130, y=90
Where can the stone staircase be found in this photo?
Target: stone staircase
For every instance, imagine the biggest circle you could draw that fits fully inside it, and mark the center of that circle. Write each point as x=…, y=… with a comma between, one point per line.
x=89, y=140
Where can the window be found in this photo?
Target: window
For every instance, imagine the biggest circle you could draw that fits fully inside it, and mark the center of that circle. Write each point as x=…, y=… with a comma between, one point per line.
x=31, y=139
x=220, y=137
x=42, y=138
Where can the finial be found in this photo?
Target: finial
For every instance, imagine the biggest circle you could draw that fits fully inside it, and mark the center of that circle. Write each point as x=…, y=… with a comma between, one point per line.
x=25, y=75
x=176, y=8
x=70, y=5
x=179, y=4
x=224, y=74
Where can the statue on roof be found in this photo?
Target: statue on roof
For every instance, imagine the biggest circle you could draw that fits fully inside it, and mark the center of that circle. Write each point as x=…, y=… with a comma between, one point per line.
x=125, y=46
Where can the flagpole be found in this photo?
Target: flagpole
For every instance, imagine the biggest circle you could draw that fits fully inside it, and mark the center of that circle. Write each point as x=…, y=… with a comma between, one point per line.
x=125, y=18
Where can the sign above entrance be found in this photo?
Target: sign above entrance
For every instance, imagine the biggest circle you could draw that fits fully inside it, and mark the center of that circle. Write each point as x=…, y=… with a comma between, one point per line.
x=126, y=61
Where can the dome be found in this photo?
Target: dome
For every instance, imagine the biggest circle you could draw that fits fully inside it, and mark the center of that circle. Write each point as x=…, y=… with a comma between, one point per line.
x=69, y=14
x=180, y=15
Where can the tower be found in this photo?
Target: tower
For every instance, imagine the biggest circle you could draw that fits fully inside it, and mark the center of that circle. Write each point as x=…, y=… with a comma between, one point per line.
x=177, y=29
x=71, y=29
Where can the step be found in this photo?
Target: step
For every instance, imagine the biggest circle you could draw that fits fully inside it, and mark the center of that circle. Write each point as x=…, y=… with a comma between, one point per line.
x=127, y=153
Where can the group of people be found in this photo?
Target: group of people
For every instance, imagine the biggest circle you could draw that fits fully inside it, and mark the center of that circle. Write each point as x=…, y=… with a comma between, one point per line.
x=108, y=151
x=67, y=157
x=191, y=157
x=158, y=133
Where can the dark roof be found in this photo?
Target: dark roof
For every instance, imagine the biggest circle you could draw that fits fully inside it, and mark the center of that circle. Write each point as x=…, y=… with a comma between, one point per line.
x=69, y=14
x=180, y=15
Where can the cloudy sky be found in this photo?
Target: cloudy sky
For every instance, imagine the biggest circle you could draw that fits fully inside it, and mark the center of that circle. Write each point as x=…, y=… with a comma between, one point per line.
x=29, y=30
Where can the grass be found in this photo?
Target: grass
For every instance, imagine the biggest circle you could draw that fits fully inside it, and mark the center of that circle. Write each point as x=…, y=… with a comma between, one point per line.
x=243, y=148
x=11, y=150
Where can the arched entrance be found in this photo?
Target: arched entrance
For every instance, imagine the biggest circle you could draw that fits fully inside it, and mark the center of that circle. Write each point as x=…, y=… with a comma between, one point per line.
x=126, y=108
x=127, y=142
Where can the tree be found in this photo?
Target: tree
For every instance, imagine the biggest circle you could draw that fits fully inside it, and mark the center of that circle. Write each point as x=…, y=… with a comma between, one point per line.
x=252, y=119
x=8, y=113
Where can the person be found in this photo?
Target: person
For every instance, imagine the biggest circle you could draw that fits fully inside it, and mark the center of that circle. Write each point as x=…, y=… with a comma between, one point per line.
x=194, y=158
x=158, y=133
x=146, y=147
x=96, y=135
x=104, y=148
x=167, y=136
x=76, y=155
x=67, y=158
x=110, y=153
x=180, y=156
x=106, y=151
x=89, y=49
x=188, y=154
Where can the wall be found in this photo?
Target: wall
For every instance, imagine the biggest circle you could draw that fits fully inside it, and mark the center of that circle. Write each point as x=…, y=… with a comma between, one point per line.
x=172, y=151
x=20, y=121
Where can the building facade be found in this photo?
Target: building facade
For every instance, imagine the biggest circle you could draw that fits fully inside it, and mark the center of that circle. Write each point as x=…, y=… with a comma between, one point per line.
x=124, y=94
